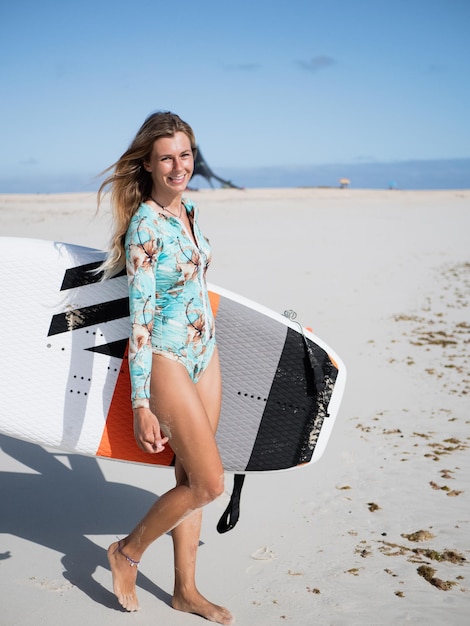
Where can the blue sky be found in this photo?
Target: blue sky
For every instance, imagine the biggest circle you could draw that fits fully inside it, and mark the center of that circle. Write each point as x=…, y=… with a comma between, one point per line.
x=263, y=83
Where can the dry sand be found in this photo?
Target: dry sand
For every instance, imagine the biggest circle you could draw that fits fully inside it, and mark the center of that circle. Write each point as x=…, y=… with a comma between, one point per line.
x=377, y=532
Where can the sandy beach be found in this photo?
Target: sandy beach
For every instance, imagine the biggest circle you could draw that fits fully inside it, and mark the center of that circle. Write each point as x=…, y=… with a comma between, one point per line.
x=378, y=531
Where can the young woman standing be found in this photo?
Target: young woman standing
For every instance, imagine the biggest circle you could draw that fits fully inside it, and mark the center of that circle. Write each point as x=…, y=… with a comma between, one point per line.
x=173, y=358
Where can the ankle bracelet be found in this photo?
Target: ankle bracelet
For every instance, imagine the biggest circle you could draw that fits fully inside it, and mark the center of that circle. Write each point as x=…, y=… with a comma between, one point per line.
x=131, y=561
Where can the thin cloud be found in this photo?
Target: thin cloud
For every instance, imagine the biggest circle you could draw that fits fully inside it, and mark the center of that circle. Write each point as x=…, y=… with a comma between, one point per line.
x=315, y=64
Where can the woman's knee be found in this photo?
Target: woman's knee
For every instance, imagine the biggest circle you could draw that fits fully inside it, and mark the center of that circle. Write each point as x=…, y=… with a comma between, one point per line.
x=208, y=490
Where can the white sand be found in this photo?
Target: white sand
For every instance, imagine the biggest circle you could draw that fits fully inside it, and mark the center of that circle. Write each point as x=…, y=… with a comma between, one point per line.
x=384, y=278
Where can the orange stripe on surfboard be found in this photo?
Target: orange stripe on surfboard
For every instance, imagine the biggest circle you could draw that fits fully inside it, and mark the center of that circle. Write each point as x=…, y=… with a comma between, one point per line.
x=214, y=300
x=117, y=441
x=333, y=361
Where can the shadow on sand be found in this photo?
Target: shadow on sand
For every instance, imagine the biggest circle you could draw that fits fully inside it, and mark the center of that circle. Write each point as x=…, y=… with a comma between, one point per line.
x=58, y=506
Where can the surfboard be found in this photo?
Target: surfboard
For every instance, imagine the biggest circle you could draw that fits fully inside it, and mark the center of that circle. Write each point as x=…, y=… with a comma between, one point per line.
x=64, y=371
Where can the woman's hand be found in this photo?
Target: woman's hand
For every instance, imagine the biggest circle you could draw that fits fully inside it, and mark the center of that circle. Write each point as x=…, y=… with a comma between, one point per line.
x=147, y=431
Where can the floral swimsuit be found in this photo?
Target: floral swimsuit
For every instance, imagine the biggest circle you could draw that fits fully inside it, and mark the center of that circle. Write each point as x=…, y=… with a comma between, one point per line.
x=169, y=304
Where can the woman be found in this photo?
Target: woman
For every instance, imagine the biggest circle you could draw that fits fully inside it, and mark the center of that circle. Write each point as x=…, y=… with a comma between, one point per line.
x=173, y=358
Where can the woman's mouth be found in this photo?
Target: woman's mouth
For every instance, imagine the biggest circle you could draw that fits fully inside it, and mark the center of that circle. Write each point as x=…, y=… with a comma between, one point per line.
x=177, y=179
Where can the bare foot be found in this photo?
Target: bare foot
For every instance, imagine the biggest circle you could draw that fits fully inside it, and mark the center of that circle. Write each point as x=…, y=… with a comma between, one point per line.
x=124, y=577
x=197, y=604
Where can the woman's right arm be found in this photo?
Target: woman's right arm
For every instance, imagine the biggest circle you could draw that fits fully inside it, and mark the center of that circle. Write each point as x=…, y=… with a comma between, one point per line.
x=141, y=256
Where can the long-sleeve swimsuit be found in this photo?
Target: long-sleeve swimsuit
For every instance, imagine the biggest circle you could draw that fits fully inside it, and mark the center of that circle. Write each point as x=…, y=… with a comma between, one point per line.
x=168, y=299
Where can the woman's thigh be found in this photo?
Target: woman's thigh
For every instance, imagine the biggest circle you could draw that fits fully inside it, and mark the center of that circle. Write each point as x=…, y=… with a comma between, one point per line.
x=188, y=415
x=209, y=387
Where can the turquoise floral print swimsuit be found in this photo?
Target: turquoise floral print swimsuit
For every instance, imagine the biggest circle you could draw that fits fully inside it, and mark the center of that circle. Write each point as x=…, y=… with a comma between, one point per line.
x=168, y=299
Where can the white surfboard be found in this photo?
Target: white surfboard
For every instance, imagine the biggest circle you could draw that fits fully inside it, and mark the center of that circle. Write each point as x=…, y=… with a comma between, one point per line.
x=65, y=381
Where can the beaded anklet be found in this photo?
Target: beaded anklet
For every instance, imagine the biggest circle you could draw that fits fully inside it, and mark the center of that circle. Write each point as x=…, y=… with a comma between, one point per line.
x=131, y=562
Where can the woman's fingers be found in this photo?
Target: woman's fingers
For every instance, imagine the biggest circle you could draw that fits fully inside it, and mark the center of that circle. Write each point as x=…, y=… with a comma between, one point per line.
x=147, y=432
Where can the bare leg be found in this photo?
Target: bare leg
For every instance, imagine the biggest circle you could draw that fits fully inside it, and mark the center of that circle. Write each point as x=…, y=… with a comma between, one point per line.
x=183, y=417
x=186, y=596
x=186, y=535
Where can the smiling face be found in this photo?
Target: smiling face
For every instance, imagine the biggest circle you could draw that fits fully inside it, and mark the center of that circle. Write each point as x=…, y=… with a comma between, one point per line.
x=171, y=165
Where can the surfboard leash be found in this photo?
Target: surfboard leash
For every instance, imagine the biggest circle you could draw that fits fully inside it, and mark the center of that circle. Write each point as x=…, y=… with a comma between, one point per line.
x=231, y=514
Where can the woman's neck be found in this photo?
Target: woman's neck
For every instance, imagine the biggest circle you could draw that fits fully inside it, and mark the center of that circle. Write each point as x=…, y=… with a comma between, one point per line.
x=172, y=209
x=168, y=203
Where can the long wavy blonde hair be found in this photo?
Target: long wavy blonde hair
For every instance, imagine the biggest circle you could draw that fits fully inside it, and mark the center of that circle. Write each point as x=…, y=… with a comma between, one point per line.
x=129, y=184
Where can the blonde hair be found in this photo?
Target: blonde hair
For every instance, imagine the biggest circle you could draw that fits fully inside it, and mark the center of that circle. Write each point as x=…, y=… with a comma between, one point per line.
x=130, y=184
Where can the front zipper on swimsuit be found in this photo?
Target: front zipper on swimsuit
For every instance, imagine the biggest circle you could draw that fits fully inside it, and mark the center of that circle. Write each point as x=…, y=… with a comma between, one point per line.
x=200, y=272
x=204, y=299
